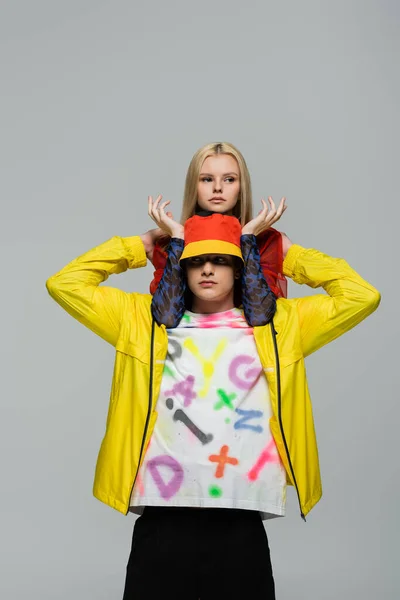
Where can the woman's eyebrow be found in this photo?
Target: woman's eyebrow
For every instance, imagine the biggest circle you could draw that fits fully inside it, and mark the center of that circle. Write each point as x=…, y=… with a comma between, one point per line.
x=224, y=175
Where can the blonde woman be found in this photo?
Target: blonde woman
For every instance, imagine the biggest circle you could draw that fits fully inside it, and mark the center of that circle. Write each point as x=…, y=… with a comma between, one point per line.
x=218, y=180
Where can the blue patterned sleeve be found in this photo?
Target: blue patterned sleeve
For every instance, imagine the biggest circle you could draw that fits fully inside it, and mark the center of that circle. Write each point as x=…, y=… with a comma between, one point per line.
x=168, y=304
x=259, y=302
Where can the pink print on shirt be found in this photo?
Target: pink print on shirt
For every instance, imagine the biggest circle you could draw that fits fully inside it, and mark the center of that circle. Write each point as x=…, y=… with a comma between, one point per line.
x=185, y=389
x=268, y=455
x=249, y=378
x=167, y=490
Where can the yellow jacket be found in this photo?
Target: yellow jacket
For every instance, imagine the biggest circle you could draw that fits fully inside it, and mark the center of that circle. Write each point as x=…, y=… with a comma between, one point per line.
x=300, y=326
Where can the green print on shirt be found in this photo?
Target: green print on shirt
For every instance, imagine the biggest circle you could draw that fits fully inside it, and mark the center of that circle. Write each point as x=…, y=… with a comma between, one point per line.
x=225, y=400
x=215, y=491
x=168, y=371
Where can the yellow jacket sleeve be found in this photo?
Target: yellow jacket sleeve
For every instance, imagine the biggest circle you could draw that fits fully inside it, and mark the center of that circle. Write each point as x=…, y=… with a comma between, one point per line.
x=323, y=318
x=77, y=286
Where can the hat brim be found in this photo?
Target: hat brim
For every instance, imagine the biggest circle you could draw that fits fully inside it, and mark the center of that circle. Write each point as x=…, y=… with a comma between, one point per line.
x=210, y=247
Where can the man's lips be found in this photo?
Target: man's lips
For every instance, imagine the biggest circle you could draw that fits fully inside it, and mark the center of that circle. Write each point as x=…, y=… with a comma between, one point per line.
x=207, y=284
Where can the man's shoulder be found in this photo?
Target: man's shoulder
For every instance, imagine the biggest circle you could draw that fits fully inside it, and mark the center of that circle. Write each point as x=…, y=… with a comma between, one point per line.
x=136, y=326
x=140, y=297
x=138, y=304
x=286, y=312
x=286, y=305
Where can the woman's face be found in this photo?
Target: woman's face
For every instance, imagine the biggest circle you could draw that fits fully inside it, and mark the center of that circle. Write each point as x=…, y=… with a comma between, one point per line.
x=218, y=187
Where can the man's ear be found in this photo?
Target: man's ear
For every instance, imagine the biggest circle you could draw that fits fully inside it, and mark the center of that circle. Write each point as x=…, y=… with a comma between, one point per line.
x=237, y=273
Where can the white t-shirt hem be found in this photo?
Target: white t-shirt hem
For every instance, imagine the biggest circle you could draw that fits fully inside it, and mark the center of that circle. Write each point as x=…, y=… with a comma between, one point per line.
x=267, y=511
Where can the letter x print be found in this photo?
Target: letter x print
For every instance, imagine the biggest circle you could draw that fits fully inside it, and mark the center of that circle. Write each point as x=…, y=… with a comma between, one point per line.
x=224, y=400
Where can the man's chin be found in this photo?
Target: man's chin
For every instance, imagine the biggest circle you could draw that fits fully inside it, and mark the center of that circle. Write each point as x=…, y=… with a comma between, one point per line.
x=207, y=294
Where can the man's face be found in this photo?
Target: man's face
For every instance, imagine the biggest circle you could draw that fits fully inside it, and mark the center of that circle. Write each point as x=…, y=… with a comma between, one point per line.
x=211, y=278
x=218, y=187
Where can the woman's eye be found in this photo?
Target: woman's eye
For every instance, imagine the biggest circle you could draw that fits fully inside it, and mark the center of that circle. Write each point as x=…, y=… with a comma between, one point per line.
x=206, y=179
x=230, y=179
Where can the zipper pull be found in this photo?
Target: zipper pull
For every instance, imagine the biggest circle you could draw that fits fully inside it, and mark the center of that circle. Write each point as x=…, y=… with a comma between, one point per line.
x=303, y=517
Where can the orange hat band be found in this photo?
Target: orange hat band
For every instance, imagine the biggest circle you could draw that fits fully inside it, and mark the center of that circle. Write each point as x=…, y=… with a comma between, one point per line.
x=210, y=247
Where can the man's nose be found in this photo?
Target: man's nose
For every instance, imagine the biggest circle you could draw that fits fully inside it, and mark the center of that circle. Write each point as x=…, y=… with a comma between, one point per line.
x=208, y=268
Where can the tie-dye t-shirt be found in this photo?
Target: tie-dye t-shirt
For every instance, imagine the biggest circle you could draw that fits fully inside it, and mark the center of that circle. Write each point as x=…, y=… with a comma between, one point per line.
x=211, y=445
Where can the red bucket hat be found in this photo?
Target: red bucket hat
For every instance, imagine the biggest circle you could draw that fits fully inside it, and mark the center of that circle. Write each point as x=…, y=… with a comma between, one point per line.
x=213, y=234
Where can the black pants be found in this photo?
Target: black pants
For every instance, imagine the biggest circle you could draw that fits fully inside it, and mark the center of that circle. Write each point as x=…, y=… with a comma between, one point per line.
x=199, y=554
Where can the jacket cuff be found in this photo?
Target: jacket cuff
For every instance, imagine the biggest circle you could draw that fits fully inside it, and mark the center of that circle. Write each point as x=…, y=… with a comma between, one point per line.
x=177, y=244
x=289, y=264
x=248, y=237
x=136, y=252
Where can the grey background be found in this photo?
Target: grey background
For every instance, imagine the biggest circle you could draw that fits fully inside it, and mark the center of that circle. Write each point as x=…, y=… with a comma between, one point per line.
x=103, y=103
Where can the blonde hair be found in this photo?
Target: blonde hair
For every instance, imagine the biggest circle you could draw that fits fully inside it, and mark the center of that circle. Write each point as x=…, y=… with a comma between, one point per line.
x=244, y=206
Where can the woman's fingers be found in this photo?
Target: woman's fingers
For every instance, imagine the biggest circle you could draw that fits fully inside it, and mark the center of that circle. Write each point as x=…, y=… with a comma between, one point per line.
x=154, y=203
x=281, y=209
x=265, y=208
x=263, y=212
x=282, y=206
x=163, y=206
x=149, y=204
x=164, y=219
x=153, y=208
x=272, y=211
x=276, y=213
x=269, y=214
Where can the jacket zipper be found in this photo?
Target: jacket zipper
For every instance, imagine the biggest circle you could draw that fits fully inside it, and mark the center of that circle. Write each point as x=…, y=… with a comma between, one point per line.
x=278, y=383
x=146, y=426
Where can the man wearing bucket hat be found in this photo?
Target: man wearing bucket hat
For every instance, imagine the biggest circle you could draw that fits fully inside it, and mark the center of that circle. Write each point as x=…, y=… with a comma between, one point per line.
x=251, y=288
x=210, y=420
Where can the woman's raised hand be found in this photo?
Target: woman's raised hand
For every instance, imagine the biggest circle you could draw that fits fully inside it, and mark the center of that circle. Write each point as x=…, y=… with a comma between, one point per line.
x=267, y=216
x=164, y=220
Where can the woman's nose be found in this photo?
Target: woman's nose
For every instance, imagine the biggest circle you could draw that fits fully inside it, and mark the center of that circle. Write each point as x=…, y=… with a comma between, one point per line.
x=217, y=187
